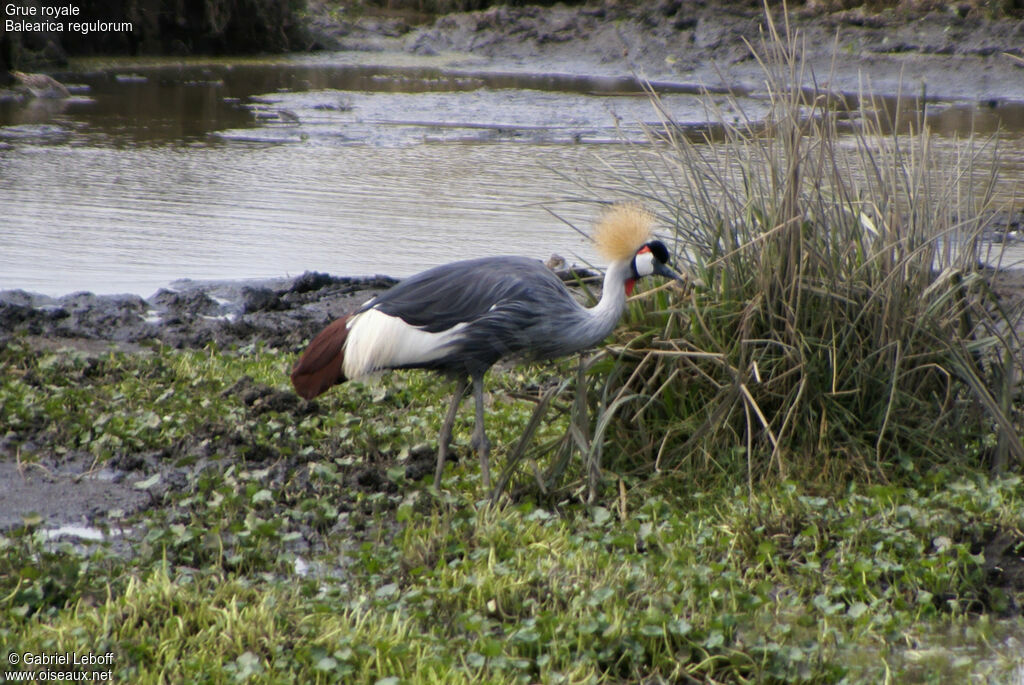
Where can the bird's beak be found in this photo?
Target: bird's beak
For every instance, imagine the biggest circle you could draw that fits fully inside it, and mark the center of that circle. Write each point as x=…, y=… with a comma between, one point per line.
x=666, y=271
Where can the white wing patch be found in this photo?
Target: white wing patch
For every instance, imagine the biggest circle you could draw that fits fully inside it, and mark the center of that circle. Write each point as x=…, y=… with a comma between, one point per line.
x=377, y=341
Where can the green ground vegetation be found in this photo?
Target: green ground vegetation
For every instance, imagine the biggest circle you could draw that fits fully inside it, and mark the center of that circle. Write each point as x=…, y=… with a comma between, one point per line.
x=804, y=470
x=271, y=556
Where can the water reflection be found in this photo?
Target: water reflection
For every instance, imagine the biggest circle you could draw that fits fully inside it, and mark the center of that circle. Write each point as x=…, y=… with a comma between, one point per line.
x=177, y=103
x=983, y=119
x=952, y=120
x=174, y=104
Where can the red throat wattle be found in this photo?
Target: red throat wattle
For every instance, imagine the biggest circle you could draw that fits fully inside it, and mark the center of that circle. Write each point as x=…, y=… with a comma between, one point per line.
x=630, y=283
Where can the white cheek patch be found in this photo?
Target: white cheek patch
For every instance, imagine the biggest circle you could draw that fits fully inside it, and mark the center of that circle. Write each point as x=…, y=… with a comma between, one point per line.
x=644, y=263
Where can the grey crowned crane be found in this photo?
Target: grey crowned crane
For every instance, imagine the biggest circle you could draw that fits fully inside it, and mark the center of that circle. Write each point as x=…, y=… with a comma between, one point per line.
x=461, y=318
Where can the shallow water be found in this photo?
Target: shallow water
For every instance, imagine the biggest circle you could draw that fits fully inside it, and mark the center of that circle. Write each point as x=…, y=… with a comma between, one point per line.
x=258, y=210
x=250, y=170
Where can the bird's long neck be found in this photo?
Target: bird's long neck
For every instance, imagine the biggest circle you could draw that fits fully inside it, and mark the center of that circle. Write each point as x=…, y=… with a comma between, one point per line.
x=602, y=317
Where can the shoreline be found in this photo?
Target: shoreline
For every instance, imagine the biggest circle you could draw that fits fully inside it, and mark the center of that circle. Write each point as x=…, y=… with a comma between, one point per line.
x=279, y=312
x=283, y=313
x=957, y=54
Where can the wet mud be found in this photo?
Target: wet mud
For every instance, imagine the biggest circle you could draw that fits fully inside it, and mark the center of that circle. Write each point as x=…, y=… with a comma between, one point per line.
x=279, y=313
x=941, y=50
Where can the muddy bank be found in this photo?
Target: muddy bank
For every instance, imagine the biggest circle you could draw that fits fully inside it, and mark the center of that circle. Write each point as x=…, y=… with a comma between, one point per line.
x=280, y=313
x=946, y=52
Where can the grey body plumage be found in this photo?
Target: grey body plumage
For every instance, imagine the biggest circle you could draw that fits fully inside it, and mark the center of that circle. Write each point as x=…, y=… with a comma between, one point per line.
x=461, y=318
x=512, y=307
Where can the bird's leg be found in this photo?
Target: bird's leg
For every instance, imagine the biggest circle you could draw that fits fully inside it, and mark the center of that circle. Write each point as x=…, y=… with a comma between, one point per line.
x=445, y=438
x=479, y=440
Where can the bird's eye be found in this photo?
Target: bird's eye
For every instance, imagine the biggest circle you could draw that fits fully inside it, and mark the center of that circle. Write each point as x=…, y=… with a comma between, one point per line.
x=659, y=250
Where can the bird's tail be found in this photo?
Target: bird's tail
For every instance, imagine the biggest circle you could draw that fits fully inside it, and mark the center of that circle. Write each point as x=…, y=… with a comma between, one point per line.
x=321, y=365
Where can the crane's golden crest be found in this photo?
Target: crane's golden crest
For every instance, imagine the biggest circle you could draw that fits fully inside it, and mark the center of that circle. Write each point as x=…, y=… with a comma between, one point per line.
x=622, y=230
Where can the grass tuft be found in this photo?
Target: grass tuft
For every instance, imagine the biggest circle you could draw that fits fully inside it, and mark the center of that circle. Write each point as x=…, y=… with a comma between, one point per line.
x=842, y=328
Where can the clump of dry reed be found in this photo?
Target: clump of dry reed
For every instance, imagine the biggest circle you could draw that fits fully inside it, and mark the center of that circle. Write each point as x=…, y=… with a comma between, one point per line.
x=843, y=329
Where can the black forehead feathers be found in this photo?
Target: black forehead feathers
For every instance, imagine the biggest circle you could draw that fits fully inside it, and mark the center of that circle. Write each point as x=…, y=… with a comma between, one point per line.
x=659, y=250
